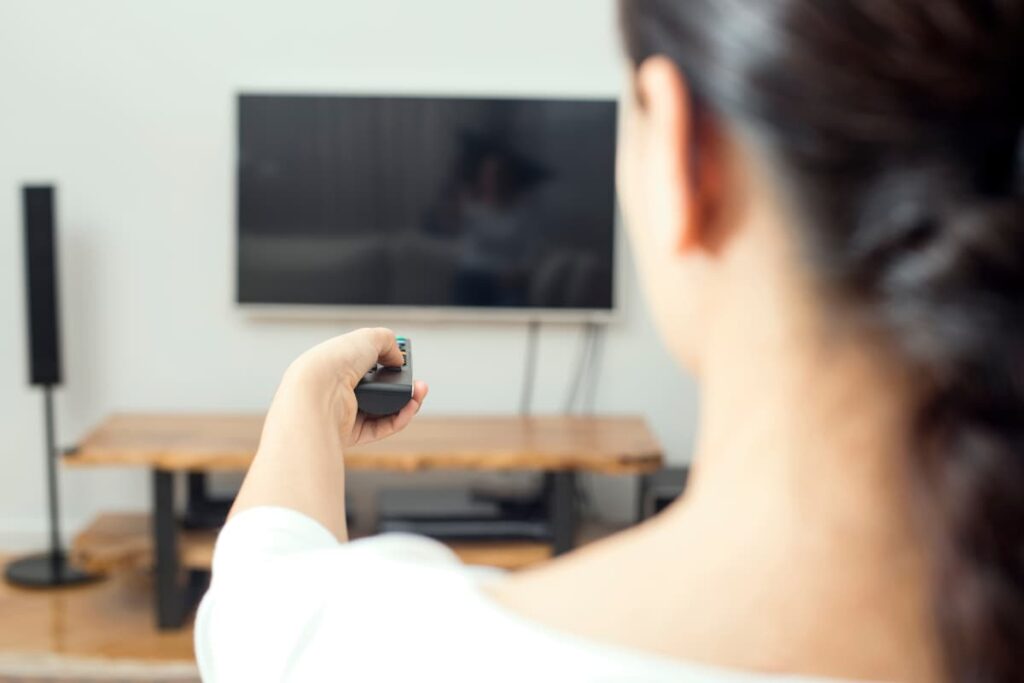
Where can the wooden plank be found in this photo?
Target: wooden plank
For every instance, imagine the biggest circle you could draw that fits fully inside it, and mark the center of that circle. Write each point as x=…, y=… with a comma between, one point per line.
x=607, y=444
x=120, y=541
x=113, y=542
x=124, y=540
x=504, y=554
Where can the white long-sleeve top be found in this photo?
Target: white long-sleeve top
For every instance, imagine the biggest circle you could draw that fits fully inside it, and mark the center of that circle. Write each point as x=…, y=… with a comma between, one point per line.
x=289, y=603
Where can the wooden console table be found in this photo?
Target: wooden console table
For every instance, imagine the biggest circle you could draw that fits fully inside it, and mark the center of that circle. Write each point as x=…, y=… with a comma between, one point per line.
x=559, y=446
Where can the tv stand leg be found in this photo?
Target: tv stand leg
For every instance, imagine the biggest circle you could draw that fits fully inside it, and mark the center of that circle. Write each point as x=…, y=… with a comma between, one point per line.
x=170, y=597
x=642, y=487
x=561, y=488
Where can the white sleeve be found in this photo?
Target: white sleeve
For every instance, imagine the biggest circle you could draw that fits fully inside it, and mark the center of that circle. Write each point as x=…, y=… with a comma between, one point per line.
x=283, y=587
x=289, y=604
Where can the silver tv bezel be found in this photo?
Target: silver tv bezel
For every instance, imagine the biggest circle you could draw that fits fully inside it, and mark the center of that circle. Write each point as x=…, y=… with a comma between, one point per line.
x=429, y=314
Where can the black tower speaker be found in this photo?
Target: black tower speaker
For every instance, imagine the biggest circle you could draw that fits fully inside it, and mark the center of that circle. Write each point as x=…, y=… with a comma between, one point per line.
x=50, y=568
x=41, y=286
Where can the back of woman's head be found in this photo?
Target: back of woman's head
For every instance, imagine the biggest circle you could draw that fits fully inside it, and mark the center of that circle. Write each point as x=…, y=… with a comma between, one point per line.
x=897, y=126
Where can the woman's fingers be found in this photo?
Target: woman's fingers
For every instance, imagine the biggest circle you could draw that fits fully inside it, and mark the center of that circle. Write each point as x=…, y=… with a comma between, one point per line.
x=402, y=418
x=374, y=429
x=352, y=355
x=409, y=410
x=380, y=346
x=388, y=352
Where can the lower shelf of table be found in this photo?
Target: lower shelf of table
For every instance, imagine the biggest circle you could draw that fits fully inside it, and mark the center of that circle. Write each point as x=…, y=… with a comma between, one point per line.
x=116, y=541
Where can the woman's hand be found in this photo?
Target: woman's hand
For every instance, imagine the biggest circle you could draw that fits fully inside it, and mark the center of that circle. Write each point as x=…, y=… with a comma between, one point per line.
x=314, y=417
x=335, y=367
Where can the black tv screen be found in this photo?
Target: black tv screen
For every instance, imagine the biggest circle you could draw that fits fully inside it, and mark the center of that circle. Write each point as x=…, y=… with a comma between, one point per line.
x=423, y=201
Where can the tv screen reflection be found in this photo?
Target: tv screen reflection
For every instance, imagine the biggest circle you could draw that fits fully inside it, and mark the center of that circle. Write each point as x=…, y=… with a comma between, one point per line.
x=371, y=201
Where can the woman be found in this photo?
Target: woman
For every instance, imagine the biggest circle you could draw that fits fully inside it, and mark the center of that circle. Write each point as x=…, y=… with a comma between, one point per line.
x=825, y=202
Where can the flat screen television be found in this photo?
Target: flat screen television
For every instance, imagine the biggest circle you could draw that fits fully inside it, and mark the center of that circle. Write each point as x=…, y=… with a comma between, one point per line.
x=426, y=204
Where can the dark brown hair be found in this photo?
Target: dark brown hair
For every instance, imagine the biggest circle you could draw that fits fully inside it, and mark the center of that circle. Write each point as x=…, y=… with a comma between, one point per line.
x=897, y=125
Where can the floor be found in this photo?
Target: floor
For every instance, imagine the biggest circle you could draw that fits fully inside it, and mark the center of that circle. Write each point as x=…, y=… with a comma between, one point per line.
x=109, y=619
x=68, y=635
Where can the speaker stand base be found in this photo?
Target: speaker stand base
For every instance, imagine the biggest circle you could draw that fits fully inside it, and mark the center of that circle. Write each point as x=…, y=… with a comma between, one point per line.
x=48, y=570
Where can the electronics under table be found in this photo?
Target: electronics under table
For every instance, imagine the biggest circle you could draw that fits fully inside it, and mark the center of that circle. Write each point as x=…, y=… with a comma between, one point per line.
x=171, y=445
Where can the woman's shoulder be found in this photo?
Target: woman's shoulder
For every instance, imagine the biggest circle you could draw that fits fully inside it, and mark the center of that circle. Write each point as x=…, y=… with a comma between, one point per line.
x=390, y=607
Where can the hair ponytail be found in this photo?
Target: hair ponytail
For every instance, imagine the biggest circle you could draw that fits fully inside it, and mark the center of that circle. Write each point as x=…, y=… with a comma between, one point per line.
x=899, y=126
x=970, y=426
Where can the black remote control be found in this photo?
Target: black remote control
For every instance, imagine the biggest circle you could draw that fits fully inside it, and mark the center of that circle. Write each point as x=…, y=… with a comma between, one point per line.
x=384, y=390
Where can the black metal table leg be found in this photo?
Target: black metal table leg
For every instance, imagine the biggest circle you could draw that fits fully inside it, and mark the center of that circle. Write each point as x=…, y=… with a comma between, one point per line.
x=170, y=596
x=642, y=487
x=203, y=511
x=197, y=495
x=561, y=489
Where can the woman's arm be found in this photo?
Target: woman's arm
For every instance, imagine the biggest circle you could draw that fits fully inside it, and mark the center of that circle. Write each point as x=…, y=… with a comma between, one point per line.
x=313, y=418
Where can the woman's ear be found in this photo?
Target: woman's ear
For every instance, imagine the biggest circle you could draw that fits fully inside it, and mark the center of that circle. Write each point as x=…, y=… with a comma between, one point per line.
x=683, y=180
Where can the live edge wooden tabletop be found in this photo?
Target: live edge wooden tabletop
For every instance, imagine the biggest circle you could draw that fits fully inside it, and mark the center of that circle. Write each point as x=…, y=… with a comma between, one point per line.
x=611, y=445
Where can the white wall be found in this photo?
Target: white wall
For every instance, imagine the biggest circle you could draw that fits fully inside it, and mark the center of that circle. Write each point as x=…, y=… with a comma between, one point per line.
x=128, y=106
